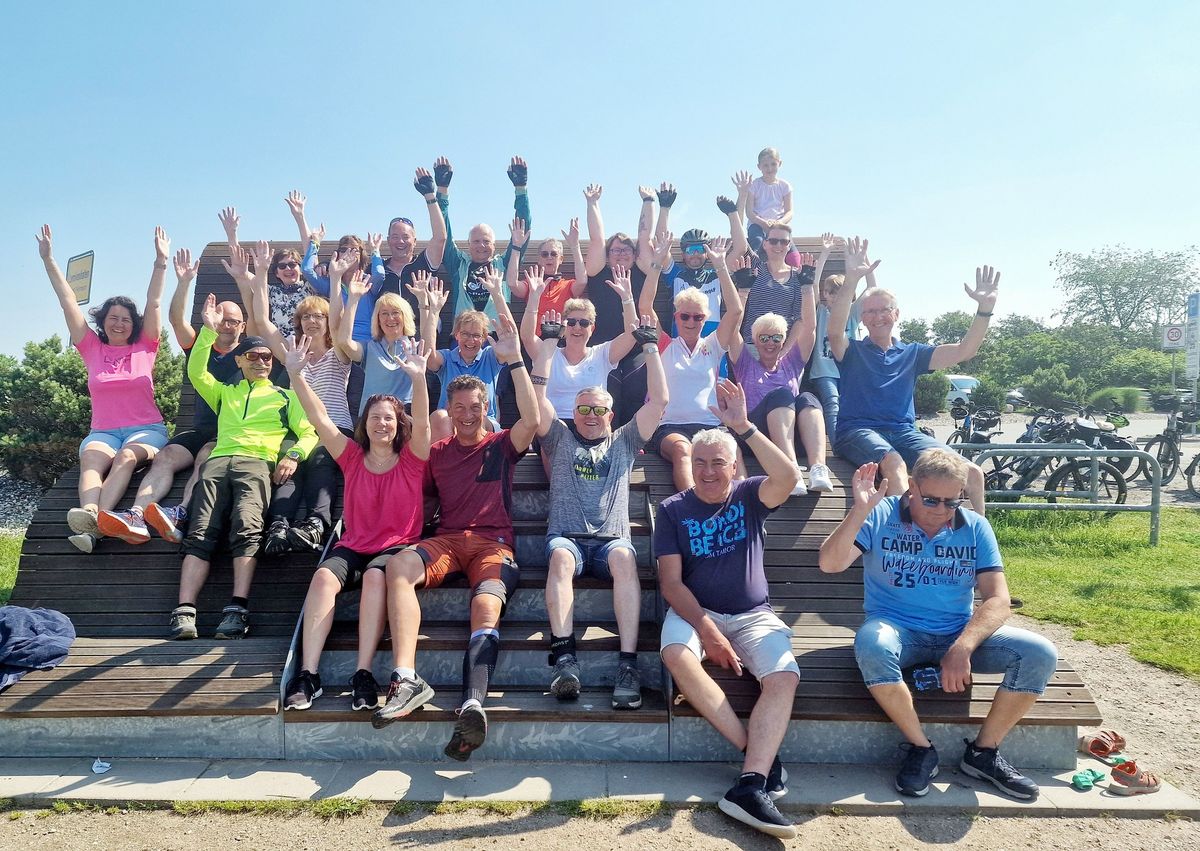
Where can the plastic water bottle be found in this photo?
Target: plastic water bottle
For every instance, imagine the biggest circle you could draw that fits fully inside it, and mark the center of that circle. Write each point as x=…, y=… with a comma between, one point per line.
x=927, y=679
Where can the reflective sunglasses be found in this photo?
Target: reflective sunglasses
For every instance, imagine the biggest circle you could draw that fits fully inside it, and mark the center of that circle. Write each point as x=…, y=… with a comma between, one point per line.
x=691, y=317
x=598, y=410
x=290, y=264
x=774, y=240
x=934, y=502
x=255, y=357
x=582, y=323
x=694, y=248
x=770, y=338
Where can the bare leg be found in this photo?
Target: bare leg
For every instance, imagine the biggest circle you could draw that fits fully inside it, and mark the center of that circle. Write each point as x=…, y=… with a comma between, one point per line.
x=810, y=426
x=192, y=575
x=769, y=720
x=117, y=481
x=372, y=615
x=896, y=700
x=678, y=450
x=627, y=597
x=560, y=592
x=704, y=694
x=405, y=574
x=94, y=463
x=780, y=423
x=318, y=616
x=158, y=479
x=485, y=612
x=1008, y=707
x=243, y=574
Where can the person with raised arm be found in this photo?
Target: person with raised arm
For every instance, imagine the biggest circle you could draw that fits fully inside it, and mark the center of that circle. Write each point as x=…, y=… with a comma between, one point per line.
x=467, y=273
x=404, y=263
x=823, y=375
x=384, y=467
x=393, y=328
x=472, y=473
x=557, y=289
x=286, y=286
x=924, y=560
x=588, y=529
x=709, y=543
x=877, y=423
x=774, y=285
x=769, y=197
x=187, y=448
x=771, y=376
x=253, y=418
x=127, y=428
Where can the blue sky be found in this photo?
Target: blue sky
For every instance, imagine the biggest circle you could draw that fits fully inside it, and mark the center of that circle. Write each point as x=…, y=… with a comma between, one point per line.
x=949, y=134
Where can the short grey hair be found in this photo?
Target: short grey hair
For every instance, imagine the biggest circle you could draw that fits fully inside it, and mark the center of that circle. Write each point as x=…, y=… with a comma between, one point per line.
x=598, y=391
x=941, y=463
x=716, y=437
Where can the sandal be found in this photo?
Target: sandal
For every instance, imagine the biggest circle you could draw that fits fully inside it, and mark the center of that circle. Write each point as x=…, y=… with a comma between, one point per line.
x=1102, y=744
x=1128, y=779
x=1086, y=778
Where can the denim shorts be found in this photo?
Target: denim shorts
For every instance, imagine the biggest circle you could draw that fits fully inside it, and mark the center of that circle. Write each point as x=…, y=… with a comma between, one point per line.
x=759, y=638
x=884, y=649
x=153, y=435
x=591, y=554
x=867, y=445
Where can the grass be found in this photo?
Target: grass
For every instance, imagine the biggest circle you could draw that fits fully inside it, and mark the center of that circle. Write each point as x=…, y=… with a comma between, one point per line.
x=10, y=555
x=325, y=809
x=1101, y=577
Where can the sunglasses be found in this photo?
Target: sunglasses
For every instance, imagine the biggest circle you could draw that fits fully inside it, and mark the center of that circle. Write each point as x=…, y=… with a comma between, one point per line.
x=255, y=357
x=549, y=253
x=598, y=410
x=691, y=317
x=696, y=248
x=934, y=502
x=774, y=240
x=582, y=323
x=770, y=338
x=291, y=264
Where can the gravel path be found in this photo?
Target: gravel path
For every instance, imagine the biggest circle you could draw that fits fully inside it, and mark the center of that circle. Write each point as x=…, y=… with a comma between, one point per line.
x=18, y=501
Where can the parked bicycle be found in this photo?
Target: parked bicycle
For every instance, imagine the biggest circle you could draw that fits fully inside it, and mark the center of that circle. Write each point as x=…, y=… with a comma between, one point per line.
x=973, y=425
x=1166, y=446
x=1102, y=434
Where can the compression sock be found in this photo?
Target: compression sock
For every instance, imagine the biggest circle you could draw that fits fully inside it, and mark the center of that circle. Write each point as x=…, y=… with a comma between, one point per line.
x=479, y=662
x=244, y=602
x=631, y=658
x=561, y=646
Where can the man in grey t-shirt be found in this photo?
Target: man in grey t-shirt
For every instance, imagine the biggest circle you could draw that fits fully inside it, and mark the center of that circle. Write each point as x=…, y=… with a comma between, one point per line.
x=588, y=528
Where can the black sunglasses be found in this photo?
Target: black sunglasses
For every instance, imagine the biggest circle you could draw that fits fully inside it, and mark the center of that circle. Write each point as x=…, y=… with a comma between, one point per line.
x=582, y=323
x=691, y=317
x=774, y=240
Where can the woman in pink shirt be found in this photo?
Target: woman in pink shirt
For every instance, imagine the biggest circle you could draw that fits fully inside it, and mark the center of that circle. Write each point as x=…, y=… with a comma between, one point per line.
x=127, y=427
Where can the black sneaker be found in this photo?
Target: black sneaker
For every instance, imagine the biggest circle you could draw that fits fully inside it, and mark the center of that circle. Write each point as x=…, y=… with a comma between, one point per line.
x=235, y=623
x=307, y=535
x=777, y=780
x=919, y=767
x=303, y=689
x=470, y=731
x=987, y=764
x=275, y=542
x=565, y=684
x=627, y=692
x=404, y=696
x=748, y=803
x=365, y=690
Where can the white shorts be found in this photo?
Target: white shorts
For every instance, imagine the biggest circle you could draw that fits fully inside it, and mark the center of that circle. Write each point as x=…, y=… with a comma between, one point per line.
x=759, y=638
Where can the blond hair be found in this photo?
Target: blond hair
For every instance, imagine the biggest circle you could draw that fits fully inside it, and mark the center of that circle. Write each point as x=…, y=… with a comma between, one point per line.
x=773, y=153
x=313, y=304
x=408, y=325
x=472, y=317
x=581, y=305
x=941, y=463
x=691, y=296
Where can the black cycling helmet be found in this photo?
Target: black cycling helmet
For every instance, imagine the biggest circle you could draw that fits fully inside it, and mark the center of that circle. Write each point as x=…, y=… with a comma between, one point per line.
x=695, y=236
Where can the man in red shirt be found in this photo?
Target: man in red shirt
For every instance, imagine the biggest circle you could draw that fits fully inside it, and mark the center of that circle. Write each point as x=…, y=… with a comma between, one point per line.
x=472, y=472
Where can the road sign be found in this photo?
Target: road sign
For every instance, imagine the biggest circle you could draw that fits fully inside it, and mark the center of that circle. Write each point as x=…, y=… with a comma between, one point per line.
x=1172, y=338
x=1191, y=338
x=79, y=276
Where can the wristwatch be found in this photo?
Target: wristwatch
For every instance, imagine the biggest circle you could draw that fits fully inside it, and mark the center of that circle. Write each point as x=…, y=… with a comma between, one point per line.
x=294, y=454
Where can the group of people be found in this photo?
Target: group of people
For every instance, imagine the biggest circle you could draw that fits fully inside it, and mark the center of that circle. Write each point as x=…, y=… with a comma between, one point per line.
x=321, y=372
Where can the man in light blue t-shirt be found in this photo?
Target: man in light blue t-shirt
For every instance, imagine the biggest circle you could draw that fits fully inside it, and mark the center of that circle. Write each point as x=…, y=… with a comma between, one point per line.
x=924, y=558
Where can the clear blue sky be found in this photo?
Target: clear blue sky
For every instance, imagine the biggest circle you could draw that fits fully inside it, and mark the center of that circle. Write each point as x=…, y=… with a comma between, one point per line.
x=949, y=134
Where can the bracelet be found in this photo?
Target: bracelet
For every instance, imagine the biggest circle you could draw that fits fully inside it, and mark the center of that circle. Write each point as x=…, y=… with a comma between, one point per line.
x=539, y=380
x=162, y=266
x=431, y=201
x=623, y=301
x=748, y=433
x=981, y=313
x=517, y=364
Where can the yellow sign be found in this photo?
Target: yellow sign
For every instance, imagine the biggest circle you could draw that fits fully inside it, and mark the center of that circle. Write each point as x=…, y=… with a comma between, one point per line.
x=79, y=276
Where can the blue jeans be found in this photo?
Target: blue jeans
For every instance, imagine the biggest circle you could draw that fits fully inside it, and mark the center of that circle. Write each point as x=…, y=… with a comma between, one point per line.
x=867, y=445
x=883, y=649
x=591, y=554
x=826, y=389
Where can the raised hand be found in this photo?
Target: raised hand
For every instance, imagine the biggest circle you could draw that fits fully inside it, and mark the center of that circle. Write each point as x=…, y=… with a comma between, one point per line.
x=726, y=205
x=647, y=193
x=507, y=345
x=419, y=287
x=185, y=270
x=340, y=263
x=230, y=221
x=296, y=353
x=987, y=282
x=238, y=264
x=210, y=314
x=318, y=234
x=828, y=241
x=359, y=284
x=536, y=283
x=857, y=264
x=44, y=241
x=492, y=280
x=551, y=325
x=162, y=245
x=295, y=201
x=423, y=181
x=715, y=251
x=742, y=180
x=666, y=194
x=262, y=255
x=518, y=172
x=731, y=406
x=437, y=296
x=621, y=284
x=866, y=494
x=415, y=360
x=442, y=173
x=374, y=241
x=592, y=193
x=571, y=235
x=517, y=235
x=661, y=246
x=646, y=332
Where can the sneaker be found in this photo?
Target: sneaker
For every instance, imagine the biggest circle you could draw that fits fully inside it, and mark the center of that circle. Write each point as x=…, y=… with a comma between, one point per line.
x=565, y=684
x=302, y=690
x=365, y=690
x=818, y=478
x=777, y=781
x=919, y=767
x=749, y=804
x=470, y=731
x=987, y=764
x=126, y=525
x=800, y=489
x=183, y=623
x=169, y=523
x=307, y=535
x=234, y=624
x=403, y=697
x=627, y=693
x=85, y=542
x=82, y=521
x=275, y=542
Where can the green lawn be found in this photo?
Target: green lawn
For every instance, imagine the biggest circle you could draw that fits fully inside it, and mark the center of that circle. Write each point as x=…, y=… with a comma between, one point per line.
x=10, y=554
x=1101, y=577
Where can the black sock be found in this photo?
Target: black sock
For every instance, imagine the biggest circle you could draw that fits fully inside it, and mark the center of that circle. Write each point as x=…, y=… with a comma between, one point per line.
x=753, y=779
x=628, y=657
x=478, y=664
x=561, y=646
x=193, y=605
x=244, y=602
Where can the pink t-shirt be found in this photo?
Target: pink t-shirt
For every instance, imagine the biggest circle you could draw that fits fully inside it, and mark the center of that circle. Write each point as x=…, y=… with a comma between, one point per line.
x=381, y=510
x=120, y=382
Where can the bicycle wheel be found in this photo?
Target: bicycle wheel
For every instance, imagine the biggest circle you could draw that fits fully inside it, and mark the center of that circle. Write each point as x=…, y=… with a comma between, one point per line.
x=1167, y=454
x=1077, y=476
x=1193, y=475
x=956, y=436
x=1112, y=441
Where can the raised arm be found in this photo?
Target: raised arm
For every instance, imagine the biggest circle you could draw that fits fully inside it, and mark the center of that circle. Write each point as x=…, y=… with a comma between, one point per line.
x=295, y=357
x=739, y=245
x=645, y=222
x=571, y=240
x=987, y=281
x=661, y=248
x=838, y=551
x=185, y=273
x=259, y=302
x=623, y=344
x=238, y=268
x=650, y=414
x=731, y=321
x=781, y=472
x=343, y=329
x=229, y=223
x=543, y=354
x=152, y=316
x=492, y=282
x=741, y=181
x=508, y=352
x=431, y=295
x=423, y=181
x=295, y=201
x=595, y=256
x=517, y=235
x=803, y=332
x=536, y=285
x=76, y=322
x=518, y=173
x=197, y=363
x=839, y=312
x=666, y=197
x=414, y=365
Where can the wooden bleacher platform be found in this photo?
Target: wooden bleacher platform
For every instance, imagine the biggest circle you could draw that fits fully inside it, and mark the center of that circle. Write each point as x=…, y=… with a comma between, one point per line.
x=126, y=690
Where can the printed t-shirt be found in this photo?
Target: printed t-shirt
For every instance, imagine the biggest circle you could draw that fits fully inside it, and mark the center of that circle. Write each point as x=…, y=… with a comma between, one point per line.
x=381, y=510
x=589, y=482
x=474, y=484
x=120, y=382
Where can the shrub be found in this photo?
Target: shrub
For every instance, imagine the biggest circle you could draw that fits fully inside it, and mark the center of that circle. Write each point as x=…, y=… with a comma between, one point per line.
x=1050, y=387
x=1129, y=399
x=929, y=396
x=989, y=394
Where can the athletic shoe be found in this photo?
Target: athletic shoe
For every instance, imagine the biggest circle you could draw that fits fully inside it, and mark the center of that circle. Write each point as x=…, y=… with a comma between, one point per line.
x=82, y=521
x=987, y=764
x=919, y=767
x=234, y=624
x=470, y=731
x=777, y=781
x=365, y=690
x=750, y=805
x=183, y=623
x=275, y=542
x=403, y=697
x=302, y=690
x=627, y=693
x=818, y=475
x=85, y=542
x=800, y=489
x=565, y=683
x=126, y=525
x=307, y=535
x=169, y=523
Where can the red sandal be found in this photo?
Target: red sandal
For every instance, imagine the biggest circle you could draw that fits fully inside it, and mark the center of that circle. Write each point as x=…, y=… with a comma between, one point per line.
x=1102, y=744
x=1128, y=779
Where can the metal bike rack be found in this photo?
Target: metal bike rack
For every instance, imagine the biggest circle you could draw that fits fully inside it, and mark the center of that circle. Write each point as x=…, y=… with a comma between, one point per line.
x=979, y=452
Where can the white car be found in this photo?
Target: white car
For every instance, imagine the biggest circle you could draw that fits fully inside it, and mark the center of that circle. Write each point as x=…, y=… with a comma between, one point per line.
x=960, y=389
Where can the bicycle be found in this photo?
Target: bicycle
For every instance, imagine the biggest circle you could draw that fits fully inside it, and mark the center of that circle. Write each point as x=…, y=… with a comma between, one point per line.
x=1103, y=435
x=1166, y=446
x=978, y=425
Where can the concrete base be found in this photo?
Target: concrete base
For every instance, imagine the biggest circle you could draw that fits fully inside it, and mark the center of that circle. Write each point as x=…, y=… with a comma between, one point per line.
x=232, y=736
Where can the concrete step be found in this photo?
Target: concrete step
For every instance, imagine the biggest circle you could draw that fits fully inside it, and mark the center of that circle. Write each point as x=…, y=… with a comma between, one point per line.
x=526, y=604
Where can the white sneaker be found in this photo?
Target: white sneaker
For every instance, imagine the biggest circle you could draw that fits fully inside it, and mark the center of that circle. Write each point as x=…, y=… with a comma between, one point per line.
x=818, y=475
x=800, y=489
x=85, y=542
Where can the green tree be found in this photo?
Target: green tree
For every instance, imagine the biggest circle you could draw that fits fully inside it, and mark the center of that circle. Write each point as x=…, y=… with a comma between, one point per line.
x=951, y=327
x=1050, y=386
x=914, y=331
x=929, y=395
